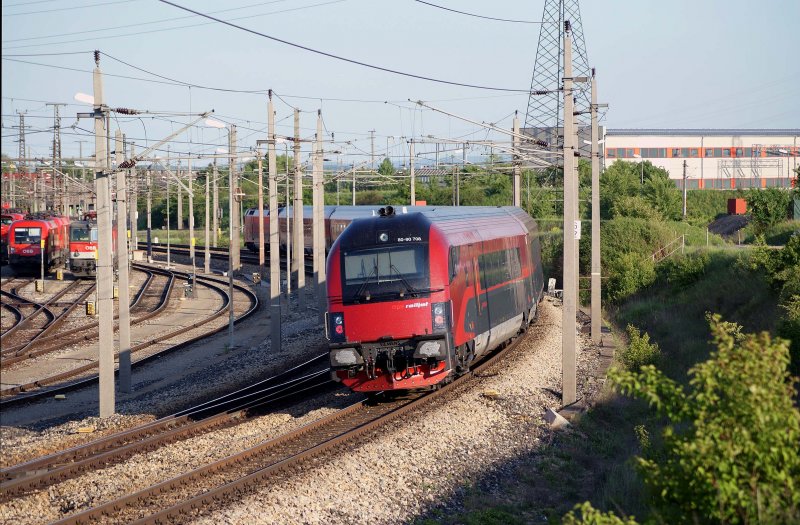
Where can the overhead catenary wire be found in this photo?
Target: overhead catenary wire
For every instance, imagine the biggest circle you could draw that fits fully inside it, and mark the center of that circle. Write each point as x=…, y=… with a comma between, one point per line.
x=140, y=33
x=484, y=17
x=338, y=57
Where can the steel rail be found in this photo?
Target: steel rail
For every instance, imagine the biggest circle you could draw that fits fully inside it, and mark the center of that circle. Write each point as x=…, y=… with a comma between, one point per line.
x=40, y=308
x=276, y=455
x=15, y=312
x=61, y=339
x=108, y=442
x=41, y=473
x=31, y=396
x=26, y=351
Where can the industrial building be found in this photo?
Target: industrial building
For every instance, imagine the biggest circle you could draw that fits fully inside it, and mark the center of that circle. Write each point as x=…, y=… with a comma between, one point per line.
x=713, y=158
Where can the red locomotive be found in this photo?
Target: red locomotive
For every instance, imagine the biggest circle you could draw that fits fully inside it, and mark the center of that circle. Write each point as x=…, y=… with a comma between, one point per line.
x=83, y=245
x=447, y=285
x=35, y=237
x=7, y=217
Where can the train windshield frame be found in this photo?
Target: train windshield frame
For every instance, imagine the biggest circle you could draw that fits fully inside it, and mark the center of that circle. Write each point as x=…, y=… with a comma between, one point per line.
x=385, y=273
x=27, y=235
x=83, y=234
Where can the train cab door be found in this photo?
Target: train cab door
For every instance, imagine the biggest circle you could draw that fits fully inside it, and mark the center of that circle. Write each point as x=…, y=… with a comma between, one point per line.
x=482, y=315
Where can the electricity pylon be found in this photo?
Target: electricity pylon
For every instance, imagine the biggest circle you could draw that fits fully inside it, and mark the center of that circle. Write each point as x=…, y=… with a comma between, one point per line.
x=544, y=119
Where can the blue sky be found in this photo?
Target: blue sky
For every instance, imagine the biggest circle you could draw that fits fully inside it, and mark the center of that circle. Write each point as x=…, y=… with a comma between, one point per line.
x=712, y=63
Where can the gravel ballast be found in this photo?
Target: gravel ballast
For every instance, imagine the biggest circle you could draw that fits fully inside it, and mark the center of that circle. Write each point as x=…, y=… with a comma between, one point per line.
x=395, y=475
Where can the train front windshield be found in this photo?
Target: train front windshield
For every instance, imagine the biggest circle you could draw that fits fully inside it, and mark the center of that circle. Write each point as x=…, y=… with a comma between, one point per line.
x=6, y=221
x=27, y=235
x=83, y=234
x=385, y=273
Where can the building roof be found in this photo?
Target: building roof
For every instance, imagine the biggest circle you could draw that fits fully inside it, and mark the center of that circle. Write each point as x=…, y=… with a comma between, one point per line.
x=704, y=132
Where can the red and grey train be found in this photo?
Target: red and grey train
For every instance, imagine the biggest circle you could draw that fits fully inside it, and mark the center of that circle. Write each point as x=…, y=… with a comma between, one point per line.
x=7, y=217
x=35, y=238
x=83, y=245
x=448, y=284
x=336, y=219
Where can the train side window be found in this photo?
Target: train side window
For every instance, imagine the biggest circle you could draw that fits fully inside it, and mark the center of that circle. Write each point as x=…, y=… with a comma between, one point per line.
x=454, y=262
x=611, y=153
x=676, y=152
x=709, y=152
x=693, y=152
x=717, y=152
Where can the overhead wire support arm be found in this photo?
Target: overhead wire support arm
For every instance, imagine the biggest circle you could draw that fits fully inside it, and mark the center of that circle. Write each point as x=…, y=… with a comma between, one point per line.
x=129, y=163
x=483, y=124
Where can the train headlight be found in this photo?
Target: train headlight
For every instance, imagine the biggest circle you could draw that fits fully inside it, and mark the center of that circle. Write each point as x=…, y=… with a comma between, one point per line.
x=11, y=249
x=345, y=357
x=336, y=331
x=439, y=316
x=427, y=349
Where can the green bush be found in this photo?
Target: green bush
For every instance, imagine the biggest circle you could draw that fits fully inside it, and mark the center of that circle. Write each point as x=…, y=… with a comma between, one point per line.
x=588, y=515
x=686, y=270
x=627, y=274
x=730, y=451
x=767, y=207
x=789, y=328
x=640, y=351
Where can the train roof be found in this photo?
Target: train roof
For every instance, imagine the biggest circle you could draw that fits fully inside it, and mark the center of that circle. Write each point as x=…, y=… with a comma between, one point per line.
x=45, y=224
x=82, y=224
x=460, y=224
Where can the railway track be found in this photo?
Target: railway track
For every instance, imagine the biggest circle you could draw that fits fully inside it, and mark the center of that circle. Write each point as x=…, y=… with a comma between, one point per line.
x=20, y=344
x=44, y=343
x=222, y=253
x=224, y=411
x=13, y=285
x=23, y=393
x=229, y=477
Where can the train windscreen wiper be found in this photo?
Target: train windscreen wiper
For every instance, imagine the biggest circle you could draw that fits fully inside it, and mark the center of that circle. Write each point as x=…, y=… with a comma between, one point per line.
x=357, y=295
x=410, y=289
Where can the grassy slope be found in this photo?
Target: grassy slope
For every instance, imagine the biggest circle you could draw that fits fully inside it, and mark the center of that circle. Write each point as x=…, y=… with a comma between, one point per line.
x=593, y=460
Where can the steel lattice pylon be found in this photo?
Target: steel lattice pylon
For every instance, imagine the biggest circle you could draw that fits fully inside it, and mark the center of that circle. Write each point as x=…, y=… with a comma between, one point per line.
x=544, y=119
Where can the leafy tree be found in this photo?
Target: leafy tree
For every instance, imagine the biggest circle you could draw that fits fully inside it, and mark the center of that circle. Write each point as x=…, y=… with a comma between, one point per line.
x=767, y=207
x=730, y=450
x=386, y=168
x=623, y=180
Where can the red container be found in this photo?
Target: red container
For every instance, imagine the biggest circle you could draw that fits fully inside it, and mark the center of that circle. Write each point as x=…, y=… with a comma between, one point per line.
x=737, y=206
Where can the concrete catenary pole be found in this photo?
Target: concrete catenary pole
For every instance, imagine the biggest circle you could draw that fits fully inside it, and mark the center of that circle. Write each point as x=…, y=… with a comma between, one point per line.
x=149, y=216
x=372, y=149
x=105, y=270
x=569, y=282
x=215, y=219
x=288, y=229
x=299, y=227
x=274, y=240
x=413, y=178
x=231, y=228
x=318, y=223
x=261, y=210
x=596, y=270
x=353, y=168
x=122, y=272
x=517, y=171
x=207, y=238
x=192, y=239
x=133, y=203
x=235, y=212
x=179, y=211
